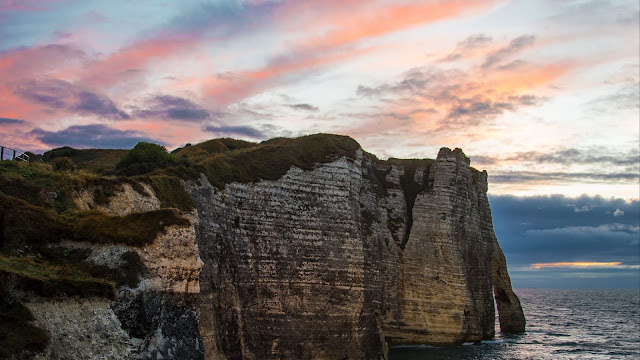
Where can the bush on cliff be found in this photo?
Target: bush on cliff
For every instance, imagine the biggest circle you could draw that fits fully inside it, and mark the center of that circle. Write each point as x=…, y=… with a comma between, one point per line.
x=144, y=158
x=63, y=164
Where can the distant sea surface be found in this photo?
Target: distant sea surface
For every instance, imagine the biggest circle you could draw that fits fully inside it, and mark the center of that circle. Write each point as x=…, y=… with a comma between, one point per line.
x=561, y=324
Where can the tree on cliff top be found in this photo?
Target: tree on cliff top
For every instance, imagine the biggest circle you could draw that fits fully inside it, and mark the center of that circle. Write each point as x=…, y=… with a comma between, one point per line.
x=144, y=158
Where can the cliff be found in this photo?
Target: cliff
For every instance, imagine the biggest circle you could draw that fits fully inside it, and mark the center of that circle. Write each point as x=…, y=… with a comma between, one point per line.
x=304, y=248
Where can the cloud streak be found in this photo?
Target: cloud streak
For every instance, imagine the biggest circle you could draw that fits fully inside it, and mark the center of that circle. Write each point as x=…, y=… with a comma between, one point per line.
x=515, y=46
x=11, y=121
x=91, y=136
x=576, y=264
x=63, y=95
x=235, y=130
x=173, y=107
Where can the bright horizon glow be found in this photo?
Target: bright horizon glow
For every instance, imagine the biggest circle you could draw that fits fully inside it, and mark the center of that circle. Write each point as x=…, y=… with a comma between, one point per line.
x=579, y=264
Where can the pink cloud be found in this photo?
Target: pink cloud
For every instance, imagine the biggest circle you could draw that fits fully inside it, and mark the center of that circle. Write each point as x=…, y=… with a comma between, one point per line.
x=131, y=60
x=337, y=44
x=23, y=5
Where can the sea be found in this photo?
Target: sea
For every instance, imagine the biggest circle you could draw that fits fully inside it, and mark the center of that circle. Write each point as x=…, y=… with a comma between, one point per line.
x=589, y=324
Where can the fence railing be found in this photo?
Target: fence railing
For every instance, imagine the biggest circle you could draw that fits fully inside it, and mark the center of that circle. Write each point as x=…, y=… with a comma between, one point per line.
x=7, y=153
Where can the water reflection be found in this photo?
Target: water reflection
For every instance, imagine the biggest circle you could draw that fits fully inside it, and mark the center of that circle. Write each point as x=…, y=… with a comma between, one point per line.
x=561, y=324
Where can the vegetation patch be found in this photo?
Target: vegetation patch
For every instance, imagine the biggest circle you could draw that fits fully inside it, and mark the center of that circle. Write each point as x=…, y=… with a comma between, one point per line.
x=136, y=229
x=211, y=147
x=128, y=273
x=23, y=225
x=144, y=158
x=39, y=185
x=64, y=164
x=51, y=280
x=271, y=159
x=100, y=161
x=171, y=193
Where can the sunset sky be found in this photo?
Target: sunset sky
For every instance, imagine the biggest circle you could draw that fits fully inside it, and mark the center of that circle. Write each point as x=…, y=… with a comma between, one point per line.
x=543, y=94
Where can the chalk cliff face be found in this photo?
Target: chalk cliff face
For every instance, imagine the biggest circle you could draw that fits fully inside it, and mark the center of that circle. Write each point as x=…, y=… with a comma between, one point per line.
x=339, y=261
x=154, y=317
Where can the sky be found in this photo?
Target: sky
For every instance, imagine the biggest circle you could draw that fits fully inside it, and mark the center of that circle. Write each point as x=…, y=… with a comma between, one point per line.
x=543, y=94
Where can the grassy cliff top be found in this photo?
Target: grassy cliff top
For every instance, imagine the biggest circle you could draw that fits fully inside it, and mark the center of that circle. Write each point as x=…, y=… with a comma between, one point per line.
x=271, y=159
x=222, y=160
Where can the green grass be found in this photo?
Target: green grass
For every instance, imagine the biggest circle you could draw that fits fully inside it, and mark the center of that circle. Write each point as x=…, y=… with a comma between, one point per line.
x=50, y=280
x=211, y=147
x=170, y=192
x=24, y=225
x=271, y=159
x=37, y=184
x=128, y=273
x=136, y=229
x=100, y=161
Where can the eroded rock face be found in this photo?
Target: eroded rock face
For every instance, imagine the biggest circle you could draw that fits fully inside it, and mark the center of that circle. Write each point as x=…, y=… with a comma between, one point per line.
x=332, y=263
x=341, y=260
x=155, y=316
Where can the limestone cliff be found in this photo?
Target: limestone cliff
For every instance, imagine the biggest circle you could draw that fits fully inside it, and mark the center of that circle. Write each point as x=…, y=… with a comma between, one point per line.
x=154, y=316
x=339, y=261
x=278, y=251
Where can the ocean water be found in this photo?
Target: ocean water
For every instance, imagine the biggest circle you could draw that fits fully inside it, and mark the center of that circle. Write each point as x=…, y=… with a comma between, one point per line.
x=561, y=324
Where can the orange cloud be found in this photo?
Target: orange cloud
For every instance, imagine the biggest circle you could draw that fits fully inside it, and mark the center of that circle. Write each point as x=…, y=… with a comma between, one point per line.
x=352, y=26
x=529, y=77
x=574, y=264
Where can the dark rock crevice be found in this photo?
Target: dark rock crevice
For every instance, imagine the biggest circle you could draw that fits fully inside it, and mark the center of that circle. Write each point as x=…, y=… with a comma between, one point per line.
x=411, y=187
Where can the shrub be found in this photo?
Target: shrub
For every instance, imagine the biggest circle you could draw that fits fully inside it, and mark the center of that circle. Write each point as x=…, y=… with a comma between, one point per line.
x=63, y=164
x=144, y=158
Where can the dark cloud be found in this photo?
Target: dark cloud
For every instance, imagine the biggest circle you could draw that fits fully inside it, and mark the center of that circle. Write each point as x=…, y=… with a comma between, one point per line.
x=236, y=130
x=63, y=95
x=576, y=156
x=478, y=108
x=515, y=46
x=423, y=111
x=416, y=81
x=368, y=91
x=91, y=136
x=470, y=43
x=11, y=121
x=543, y=229
x=306, y=107
x=173, y=107
x=570, y=156
x=53, y=93
x=96, y=104
x=484, y=160
x=474, y=41
x=397, y=116
x=519, y=177
x=513, y=65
